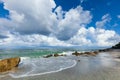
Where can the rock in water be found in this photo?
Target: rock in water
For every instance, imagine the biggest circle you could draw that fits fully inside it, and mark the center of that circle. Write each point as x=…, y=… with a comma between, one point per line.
x=9, y=64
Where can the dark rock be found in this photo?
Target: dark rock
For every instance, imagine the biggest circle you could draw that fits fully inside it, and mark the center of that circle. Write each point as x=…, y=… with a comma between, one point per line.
x=76, y=53
x=56, y=55
x=118, y=57
x=47, y=56
x=9, y=64
x=78, y=60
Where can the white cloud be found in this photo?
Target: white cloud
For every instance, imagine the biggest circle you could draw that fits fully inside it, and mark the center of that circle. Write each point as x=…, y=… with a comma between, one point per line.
x=32, y=23
x=95, y=37
x=84, y=37
x=105, y=19
x=74, y=19
x=31, y=16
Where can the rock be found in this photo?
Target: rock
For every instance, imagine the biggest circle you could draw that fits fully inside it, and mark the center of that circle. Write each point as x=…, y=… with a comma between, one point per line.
x=47, y=56
x=96, y=52
x=88, y=53
x=76, y=53
x=9, y=64
x=56, y=55
x=118, y=57
x=78, y=60
x=91, y=53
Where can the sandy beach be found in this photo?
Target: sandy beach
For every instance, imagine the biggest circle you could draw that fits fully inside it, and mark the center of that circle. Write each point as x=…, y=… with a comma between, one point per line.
x=104, y=66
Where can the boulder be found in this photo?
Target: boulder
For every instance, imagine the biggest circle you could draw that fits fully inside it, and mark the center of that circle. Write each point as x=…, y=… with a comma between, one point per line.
x=56, y=55
x=9, y=64
x=76, y=53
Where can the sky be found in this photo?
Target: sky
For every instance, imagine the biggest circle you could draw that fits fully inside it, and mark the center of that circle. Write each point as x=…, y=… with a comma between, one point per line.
x=83, y=23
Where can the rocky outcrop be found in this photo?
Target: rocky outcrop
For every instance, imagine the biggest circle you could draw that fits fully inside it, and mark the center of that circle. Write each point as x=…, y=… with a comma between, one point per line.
x=92, y=53
x=9, y=64
x=76, y=53
x=54, y=55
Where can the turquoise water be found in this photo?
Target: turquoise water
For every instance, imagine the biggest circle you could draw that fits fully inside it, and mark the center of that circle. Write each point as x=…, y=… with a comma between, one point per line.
x=26, y=53
x=36, y=52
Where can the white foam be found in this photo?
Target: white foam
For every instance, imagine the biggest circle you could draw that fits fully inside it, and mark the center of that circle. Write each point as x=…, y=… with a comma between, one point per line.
x=67, y=53
x=46, y=72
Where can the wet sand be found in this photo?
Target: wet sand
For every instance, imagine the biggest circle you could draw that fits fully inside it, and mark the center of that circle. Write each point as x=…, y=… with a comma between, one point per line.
x=104, y=66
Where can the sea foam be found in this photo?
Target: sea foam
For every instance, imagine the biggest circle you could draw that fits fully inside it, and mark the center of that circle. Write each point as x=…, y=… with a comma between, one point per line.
x=41, y=66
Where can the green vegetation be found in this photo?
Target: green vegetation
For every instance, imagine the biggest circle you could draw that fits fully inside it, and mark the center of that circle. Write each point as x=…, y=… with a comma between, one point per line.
x=117, y=46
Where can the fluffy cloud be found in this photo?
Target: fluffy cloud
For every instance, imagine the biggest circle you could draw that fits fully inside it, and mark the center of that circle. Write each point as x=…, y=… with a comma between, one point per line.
x=95, y=37
x=74, y=19
x=105, y=19
x=31, y=16
x=35, y=23
x=29, y=19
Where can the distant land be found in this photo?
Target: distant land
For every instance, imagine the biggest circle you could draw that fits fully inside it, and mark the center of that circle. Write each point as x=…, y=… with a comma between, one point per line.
x=117, y=46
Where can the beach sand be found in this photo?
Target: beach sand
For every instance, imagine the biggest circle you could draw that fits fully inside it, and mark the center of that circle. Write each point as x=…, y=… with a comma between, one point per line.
x=104, y=66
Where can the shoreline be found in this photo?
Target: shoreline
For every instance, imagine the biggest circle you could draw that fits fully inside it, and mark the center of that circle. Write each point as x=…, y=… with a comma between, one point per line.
x=82, y=67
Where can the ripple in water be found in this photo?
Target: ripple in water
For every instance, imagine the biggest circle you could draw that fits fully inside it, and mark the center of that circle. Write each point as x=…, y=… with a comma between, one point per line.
x=40, y=66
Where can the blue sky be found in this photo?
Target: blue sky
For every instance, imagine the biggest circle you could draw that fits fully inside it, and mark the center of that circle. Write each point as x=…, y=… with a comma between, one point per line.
x=59, y=23
x=3, y=12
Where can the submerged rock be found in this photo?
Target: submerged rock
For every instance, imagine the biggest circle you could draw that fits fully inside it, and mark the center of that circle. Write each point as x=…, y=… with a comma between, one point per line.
x=47, y=56
x=56, y=55
x=76, y=53
x=9, y=64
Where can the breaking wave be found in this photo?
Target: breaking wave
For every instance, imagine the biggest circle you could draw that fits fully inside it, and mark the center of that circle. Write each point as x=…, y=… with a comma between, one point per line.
x=41, y=66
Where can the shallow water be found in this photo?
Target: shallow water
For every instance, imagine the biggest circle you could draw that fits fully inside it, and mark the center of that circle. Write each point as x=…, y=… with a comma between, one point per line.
x=100, y=67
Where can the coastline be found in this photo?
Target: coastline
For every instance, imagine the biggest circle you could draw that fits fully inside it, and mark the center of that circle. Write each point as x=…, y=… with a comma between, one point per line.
x=103, y=65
